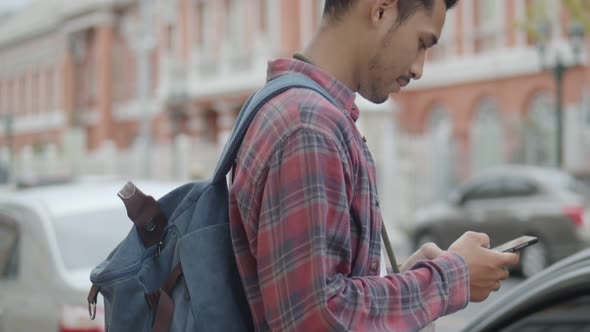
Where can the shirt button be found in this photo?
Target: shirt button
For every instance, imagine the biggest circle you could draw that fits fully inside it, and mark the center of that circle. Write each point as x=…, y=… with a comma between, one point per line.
x=374, y=267
x=364, y=139
x=377, y=203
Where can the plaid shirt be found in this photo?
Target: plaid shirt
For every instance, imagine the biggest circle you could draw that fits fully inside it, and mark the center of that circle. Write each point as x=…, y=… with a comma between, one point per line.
x=305, y=223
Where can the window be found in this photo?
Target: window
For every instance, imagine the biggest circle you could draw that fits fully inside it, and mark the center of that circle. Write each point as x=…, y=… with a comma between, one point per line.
x=487, y=137
x=585, y=104
x=518, y=187
x=236, y=27
x=36, y=93
x=488, y=14
x=8, y=248
x=49, y=92
x=9, y=102
x=540, y=133
x=22, y=95
x=85, y=239
x=206, y=31
x=483, y=190
x=442, y=170
x=3, y=96
x=263, y=15
x=571, y=315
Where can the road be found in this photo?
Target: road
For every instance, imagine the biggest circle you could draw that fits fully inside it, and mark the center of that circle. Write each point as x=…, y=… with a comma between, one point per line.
x=455, y=322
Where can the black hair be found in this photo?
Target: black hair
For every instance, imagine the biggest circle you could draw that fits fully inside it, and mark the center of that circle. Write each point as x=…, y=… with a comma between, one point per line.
x=336, y=8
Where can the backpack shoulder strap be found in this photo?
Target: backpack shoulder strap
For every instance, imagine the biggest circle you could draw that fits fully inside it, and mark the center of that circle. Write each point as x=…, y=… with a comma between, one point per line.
x=252, y=106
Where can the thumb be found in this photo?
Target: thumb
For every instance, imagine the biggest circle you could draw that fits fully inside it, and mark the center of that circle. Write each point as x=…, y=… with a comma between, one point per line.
x=431, y=251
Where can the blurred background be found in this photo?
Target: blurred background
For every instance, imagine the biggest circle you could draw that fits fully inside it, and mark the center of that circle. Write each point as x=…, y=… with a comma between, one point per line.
x=150, y=89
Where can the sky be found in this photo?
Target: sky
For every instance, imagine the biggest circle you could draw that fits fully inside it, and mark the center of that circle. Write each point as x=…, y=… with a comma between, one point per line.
x=11, y=4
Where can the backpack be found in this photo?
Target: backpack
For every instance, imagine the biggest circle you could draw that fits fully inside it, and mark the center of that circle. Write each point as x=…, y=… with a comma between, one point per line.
x=176, y=270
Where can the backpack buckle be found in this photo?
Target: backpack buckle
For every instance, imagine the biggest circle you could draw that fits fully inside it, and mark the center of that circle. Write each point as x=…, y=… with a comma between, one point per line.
x=92, y=310
x=92, y=299
x=159, y=248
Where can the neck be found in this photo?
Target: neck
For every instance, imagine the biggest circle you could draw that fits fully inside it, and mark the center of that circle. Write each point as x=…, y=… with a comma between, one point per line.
x=328, y=52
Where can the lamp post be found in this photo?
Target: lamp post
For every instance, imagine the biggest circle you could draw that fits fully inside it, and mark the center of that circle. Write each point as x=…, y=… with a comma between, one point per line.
x=140, y=36
x=558, y=69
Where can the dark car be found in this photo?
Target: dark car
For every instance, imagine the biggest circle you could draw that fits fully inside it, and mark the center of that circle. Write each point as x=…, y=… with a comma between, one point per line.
x=558, y=299
x=511, y=201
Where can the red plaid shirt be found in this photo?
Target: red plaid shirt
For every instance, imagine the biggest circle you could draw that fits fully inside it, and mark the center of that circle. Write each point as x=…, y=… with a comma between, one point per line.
x=305, y=223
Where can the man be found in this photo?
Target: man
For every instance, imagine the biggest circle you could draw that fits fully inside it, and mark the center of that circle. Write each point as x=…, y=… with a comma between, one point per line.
x=304, y=210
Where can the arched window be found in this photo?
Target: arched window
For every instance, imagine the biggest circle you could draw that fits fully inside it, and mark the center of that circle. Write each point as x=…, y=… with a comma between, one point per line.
x=540, y=131
x=487, y=137
x=442, y=163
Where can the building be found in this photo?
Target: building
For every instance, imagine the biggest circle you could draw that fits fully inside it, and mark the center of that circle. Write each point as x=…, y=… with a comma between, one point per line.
x=485, y=100
x=70, y=75
x=73, y=73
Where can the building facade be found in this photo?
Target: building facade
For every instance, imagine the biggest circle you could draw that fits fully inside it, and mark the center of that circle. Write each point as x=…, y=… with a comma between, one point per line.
x=85, y=87
x=485, y=99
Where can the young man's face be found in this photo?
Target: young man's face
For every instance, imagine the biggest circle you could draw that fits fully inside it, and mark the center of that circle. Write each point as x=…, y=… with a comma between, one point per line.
x=399, y=55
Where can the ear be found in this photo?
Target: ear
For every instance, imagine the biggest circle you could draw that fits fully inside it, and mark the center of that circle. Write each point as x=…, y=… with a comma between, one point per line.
x=383, y=10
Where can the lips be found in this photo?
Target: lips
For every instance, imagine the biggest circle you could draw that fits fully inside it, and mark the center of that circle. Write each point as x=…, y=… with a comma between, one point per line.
x=402, y=82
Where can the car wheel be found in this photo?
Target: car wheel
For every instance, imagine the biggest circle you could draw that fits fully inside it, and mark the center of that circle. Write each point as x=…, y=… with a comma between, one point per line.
x=534, y=259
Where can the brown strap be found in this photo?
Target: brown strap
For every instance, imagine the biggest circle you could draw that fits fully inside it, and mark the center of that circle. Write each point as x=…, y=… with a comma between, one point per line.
x=164, y=313
x=389, y=249
x=145, y=213
x=161, y=302
x=175, y=274
x=92, y=298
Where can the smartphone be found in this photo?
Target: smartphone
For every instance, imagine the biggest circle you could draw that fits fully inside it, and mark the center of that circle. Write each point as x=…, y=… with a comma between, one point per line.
x=517, y=244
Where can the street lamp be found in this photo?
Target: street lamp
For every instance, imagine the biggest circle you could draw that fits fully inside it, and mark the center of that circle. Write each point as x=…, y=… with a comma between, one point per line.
x=558, y=69
x=140, y=36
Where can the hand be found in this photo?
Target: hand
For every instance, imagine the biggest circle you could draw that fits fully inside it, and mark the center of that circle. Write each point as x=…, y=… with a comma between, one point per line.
x=486, y=267
x=428, y=251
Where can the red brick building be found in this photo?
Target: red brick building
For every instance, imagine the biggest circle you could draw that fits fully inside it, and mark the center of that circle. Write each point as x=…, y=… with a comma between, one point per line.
x=69, y=81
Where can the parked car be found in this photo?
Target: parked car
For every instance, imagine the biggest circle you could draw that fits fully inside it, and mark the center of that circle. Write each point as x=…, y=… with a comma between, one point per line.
x=50, y=239
x=511, y=201
x=557, y=299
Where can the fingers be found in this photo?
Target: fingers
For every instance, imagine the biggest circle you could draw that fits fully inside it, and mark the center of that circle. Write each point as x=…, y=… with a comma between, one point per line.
x=497, y=286
x=506, y=259
x=431, y=250
x=481, y=238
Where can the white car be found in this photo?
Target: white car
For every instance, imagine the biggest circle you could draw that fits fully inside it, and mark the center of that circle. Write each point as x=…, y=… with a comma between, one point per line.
x=50, y=239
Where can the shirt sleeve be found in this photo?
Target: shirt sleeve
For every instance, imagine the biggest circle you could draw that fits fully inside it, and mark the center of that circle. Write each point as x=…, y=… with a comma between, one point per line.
x=304, y=251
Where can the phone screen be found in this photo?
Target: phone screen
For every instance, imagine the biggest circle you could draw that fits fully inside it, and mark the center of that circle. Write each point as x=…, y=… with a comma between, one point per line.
x=517, y=244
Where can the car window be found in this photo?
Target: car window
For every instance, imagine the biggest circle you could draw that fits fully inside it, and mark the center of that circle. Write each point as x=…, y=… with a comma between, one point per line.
x=569, y=183
x=483, y=190
x=8, y=248
x=518, y=187
x=571, y=315
x=85, y=239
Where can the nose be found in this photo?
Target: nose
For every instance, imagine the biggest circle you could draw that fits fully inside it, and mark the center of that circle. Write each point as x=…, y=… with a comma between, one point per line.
x=418, y=66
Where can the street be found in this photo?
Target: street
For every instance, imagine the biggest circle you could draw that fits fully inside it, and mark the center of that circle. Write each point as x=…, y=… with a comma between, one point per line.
x=457, y=321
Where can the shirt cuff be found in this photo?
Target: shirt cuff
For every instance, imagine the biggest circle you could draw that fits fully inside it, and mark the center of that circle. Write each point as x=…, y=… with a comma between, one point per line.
x=457, y=278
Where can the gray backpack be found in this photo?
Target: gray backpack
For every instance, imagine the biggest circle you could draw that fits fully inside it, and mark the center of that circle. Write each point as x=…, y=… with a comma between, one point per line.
x=176, y=270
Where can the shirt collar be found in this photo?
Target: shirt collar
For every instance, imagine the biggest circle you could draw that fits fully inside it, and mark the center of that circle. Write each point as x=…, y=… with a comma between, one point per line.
x=342, y=94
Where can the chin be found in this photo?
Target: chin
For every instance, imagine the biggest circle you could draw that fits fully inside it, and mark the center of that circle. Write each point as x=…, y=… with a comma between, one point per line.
x=375, y=98
x=379, y=99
